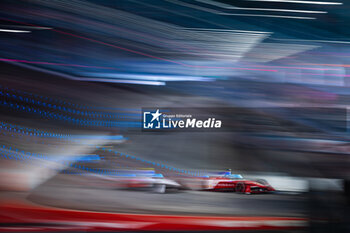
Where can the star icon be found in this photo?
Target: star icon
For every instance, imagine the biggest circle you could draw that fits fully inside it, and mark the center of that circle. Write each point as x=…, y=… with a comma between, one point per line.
x=156, y=115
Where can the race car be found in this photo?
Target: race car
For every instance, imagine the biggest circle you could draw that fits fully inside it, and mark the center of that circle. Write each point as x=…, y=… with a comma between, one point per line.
x=235, y=183
x=154, y=182
x=140, y=179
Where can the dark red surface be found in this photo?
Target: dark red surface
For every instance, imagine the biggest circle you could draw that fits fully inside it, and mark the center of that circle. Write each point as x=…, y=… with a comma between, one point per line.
x=27, y=217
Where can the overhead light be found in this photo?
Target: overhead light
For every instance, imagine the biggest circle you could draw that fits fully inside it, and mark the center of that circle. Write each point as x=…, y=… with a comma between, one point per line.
x=300, y=2
x=147, y=77
x=25, y=27
x=15, y=31
x=125, y=81
x=231, y=7
x=227, y=30
x=269, y=16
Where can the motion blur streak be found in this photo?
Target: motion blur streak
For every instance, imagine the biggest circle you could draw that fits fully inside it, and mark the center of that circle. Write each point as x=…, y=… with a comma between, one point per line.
x=270, y=16
x=301, y=2
x=225, y=13
x=226, y=6
x=174, y=116
x=55, y=64
x=16, y=31
x=144, y=54
x=334, y=65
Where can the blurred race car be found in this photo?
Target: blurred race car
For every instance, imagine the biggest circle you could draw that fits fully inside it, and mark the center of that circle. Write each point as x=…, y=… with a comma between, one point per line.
x=161, y=184
x=141, y=179
x=154, y=182
x=236, y=183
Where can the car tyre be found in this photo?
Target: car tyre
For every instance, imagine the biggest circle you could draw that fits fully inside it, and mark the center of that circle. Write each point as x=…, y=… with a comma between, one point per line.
x=240, y=188
x=159, y=188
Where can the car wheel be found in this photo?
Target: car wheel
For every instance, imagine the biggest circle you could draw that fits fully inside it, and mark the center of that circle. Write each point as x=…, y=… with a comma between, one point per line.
x=240, y=188
x=159, y=188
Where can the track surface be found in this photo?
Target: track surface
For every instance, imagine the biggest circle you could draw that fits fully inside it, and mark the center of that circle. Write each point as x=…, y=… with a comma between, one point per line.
x=57, y=194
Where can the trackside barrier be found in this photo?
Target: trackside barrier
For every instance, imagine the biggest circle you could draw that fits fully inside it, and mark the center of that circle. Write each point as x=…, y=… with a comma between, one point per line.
x=26, y=217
